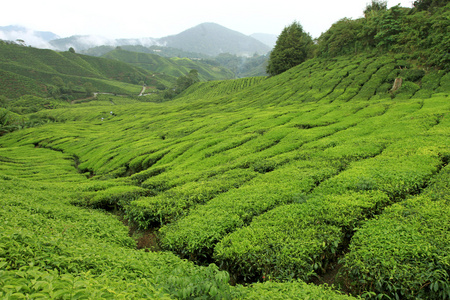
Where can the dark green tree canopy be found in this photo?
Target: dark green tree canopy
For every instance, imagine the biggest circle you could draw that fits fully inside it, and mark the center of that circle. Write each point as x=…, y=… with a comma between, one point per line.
x=293, y=47
x=429, y=4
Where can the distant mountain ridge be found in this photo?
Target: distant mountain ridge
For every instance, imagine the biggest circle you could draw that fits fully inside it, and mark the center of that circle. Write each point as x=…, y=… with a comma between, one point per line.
x=207, y=38
x=85, y=42
x=214, y=39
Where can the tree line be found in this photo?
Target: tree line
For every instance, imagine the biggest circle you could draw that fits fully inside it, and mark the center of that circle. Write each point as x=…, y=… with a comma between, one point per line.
x=420, y=31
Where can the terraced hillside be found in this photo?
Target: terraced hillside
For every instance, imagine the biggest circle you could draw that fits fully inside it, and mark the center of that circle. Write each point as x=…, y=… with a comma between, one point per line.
x=275, y=180
x=68, y=75
x=167, y=70
x=40, y=72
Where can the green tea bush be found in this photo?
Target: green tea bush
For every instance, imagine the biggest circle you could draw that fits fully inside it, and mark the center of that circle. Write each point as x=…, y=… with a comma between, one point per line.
x=407, y=90
x=53, y=249
x=112, y=198
x=196, y=234
x=176, y=202
x=272, y=178
x=403, y=253
x=298, y=240
x=291, y=290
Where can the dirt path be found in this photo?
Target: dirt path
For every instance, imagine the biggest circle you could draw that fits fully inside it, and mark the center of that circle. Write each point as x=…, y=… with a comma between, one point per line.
x=95, y=96
x=143, y=90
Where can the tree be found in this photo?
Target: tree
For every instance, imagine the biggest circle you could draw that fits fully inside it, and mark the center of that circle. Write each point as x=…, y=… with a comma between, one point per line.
x=89, y=89
x=429, y=4
x=183, y=82
x=389, y=27
x=71, y=50
x=341, y=38
x=375, y=7
x=293, y=47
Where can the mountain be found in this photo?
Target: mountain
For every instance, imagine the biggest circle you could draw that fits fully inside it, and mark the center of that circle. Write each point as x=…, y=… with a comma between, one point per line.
x=214, y=39
x=207, y=38
x=265, y=38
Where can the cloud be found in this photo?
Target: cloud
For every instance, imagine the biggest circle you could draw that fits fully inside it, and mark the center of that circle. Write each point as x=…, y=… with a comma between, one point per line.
x=30, y=37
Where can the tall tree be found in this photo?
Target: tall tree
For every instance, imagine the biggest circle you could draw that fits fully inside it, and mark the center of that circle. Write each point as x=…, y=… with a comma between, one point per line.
x=293, y=47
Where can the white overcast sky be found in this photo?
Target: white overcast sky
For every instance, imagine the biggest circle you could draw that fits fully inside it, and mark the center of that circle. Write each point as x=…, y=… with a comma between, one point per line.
x=158, y=18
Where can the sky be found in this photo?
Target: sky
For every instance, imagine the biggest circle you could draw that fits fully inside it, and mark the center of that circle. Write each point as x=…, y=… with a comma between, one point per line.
x=147, y=18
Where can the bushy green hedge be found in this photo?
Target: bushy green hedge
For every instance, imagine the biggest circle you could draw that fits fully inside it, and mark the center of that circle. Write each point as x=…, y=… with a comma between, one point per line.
x=404, y=253
x=297, y=240
x=196, y=234
x=53, y=249
x=278, y=172
x=291, y=290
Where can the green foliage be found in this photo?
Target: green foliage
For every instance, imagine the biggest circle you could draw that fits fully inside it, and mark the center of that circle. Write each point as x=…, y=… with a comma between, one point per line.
x=412, y=260
x=429, y=4
x=166, y=70
x=53, y=249
x=340, y=39
x=291, y=290
x=415, y=31
x=293, y=47
x=184, y=82
x=375, y=7
x=261, y=176
x=40, y=72
x=9, y=121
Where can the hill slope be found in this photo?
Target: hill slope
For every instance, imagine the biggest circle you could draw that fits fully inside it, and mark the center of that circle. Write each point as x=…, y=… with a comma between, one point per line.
x=269, y=178
x=170, y=67
x=42, y=72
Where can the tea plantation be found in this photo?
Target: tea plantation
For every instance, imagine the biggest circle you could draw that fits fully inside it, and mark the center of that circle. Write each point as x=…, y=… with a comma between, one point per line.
x=253, y=188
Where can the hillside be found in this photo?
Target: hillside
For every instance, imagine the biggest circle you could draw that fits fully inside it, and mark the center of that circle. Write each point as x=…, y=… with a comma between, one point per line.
x=67, y=75
x=330, y=180
x=160, y=50
x=275, y=180
x=241, y=66
x=170, y=68
x=42, y=72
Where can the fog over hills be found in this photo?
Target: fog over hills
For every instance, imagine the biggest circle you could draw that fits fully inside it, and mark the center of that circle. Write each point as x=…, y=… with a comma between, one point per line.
x=84, y=42
x=266, y=38
x=39, y=39
x=206, y=38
